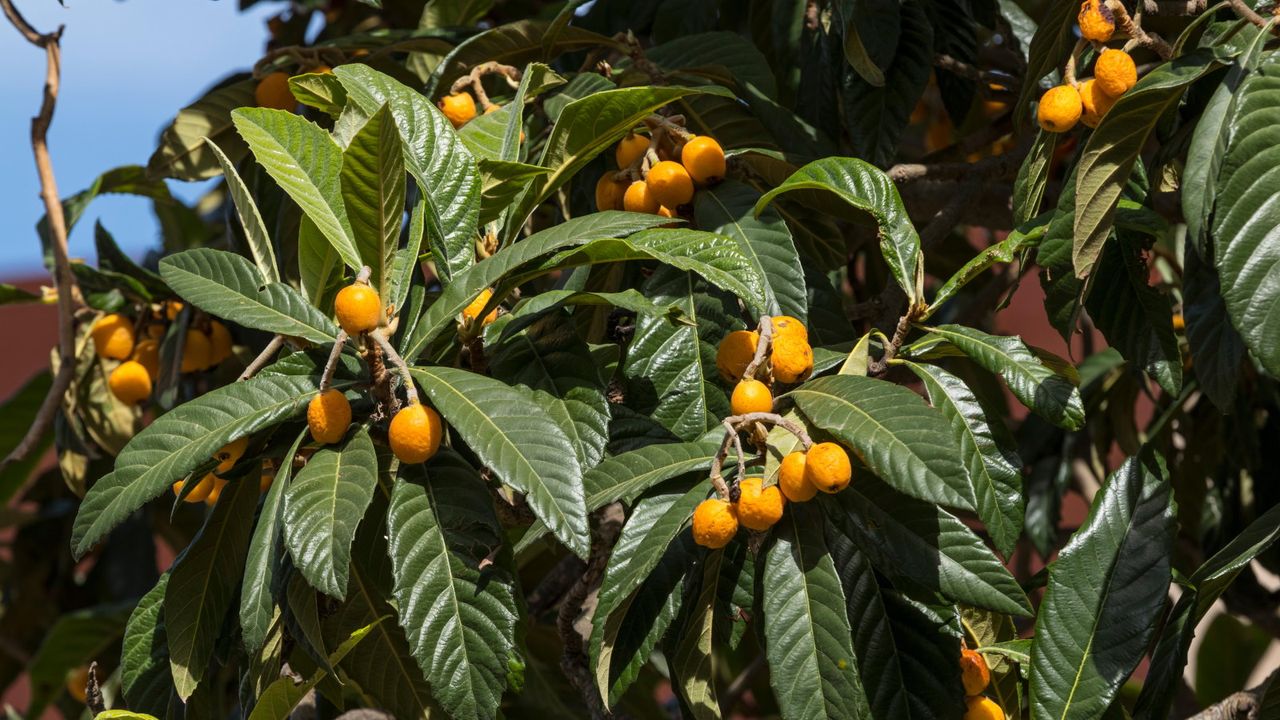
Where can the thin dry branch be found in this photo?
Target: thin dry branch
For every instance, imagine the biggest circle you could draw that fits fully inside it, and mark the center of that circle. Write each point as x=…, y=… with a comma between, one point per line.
x=1243, y=705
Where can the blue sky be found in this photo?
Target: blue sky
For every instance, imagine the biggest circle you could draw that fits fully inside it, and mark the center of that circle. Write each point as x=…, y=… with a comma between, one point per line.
x=127, y=67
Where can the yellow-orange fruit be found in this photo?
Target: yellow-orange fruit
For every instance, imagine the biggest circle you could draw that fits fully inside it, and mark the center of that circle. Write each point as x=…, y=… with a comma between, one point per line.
x=735, y=353
x=130, y=382
x=219, y=342
x=459, y=108
x=751, y=396
x=974, y=672
x=759, y=507
x=230, y=453
x=267, y=477
x=1095, y=103
x=1060, y=109
x=609, y=193
x=715, y=522
x=328, y=416
x=147, y=353
x=155, y=331
x=199, y=492
x=172, y=308
x=792, y=479
x=790, y=359
x=215, y=492
x=78, y=683
x=1097, y=22
x=630, y=148
x=273, y=92
x=638, y=198
x=827, y=467
x=113, y=336
x=195, y=351
x=415, y=433
x=321, y=69
x=787, y=325
x=982, y=708
x=669, y=183
x=1115, y=72
x=358, y=308
x=704, y=159
x=472, y=311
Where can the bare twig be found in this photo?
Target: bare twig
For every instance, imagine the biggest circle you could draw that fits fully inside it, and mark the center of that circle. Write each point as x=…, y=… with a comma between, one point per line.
x=1150, y=41
x=1243, y=705
x=878, y=367
x=1174, y=7
x=1069, y=72
x=735, y=424
x=69, y=298
x=959, y=67
x=1243, y=10
x=410, y=392
x=326, y=379
x=264, y=357
x=510, y=74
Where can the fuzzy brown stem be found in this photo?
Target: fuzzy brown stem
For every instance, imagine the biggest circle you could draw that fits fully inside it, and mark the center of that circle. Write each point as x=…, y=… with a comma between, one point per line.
x=1243, y=705
x=326, y=379
x=1151, y=41
x=765, y=330
x=265, y=356
x=410, y=392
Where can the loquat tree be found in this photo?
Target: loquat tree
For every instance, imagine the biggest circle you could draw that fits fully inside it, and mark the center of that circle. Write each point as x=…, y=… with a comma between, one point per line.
x=652, y=359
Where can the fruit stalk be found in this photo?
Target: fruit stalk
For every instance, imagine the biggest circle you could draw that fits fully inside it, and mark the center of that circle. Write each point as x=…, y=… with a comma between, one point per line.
x=410, y=392
x=340, y=342
x=765, y=329
x=263, y=358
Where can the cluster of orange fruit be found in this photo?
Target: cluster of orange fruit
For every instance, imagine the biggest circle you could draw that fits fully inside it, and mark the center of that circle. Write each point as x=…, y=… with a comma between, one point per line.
x=1114, y=73
x=415, y=430
x=668, y=184
x=976, y=676
x=272, y=91
x=115, y=336
x=209, y=488
x=825, y=466
x=460, y=108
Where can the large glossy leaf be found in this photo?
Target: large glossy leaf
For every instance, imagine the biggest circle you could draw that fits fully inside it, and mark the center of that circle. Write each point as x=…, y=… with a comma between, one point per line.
x=898, y=436
x=255, y=230
x=653, y=525
x=465, y=288
x=692, y=652
x=928, y=637
x=322, y=507
x=515, y=44
x=671, y=367
x=227, y=285
x=1135, y=318
x=444, y=169
x=921, y=546
x=1247, y=253
x=1051, y=43
x=556, y=365
x=725, y=57
x=458, y=612
x=1033, y=176
x=987, y=450
x=1217, y=349
x=1113, y=148
x=806, y=629
x=1015, y=243
x=373, y=183
x=183, y=153
x=1103, y=594
x=202, y=588
x=863, y=186
x=525, y=448
x=74, y=640
x=145, y=679
x=588, y=127
x=283, y=695
x=727, y=209
x=1043, y=391
x=180, y=441
x=306, y=163
x=266, y=551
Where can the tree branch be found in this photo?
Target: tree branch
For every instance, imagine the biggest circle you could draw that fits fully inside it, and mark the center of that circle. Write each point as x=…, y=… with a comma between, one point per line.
x=1243, y=705
x=574, y=662
x=1174, y=7
x=263, y=358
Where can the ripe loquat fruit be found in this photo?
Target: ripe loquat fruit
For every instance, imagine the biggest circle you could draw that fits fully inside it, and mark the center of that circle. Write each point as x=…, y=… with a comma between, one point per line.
x=130, y=382
x=1060, y=109
x=791, y=359
x=472, y=311
x=1097, y=22
x=459, y=108
x=715, y=522
x=273, y=92
x=640, y=199
x=415, y=433
x=735, y=353
x=974, y=672
x=792, y=479
x=630, y=149
x=609, y=193
x=704, y=159
x=113, y=336
x=751, y=396
x=669, y=183
x=759, y=507
x=328, y=416
x=195, y=351
x=358, y=308
x=982, y=708
x=1115, y=72
x=827, y=467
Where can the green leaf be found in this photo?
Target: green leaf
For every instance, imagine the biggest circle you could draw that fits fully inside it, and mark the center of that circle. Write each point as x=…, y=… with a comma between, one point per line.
x=321, y=91
x=1005, y=251
x=863, y=186
x=1043, y=391
x=1033, y=176
x=12, y=294
x=725, y=57
x=1215, y=574
x=182, y=440
x=306, y=163
x=145, y=679
x=586, y=128
x=928, y=637
x=202, y=587
x=322, y=507
x=255, y=230
x=443, y=168
x=531, y=309
x=514, y=44
x=496, y=135
x=900, y=438
x=183, y=153
x=266, y=552
x=653, y=525
x=1113, y=148
x=921, y=546
x=671, y=369
x=693, y=661
x=283, y=695
x=1053, y=40
x=319, y=265
x=373, y=184
x=526, y=449
x=556, y=366
x=75, y=639
x=227, y=285
x=1135, y=318
x=987, y=450
x=17, y=415
x=806, y=630
x=458, y=611
x=1217, y=349
x=1104, y=592
x=727, y=209
x=1246, y=253
x=467, y=286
